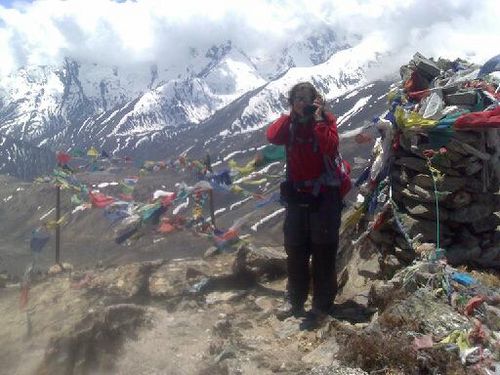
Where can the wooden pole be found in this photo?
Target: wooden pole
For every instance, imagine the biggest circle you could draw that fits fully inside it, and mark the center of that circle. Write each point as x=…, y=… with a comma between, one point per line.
x=58, y=217
x=211, y=205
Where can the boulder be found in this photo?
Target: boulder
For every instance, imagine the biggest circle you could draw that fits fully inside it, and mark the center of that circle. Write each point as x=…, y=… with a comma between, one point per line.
x=381, y=293
x=428, y=195
x=402, y=194
x=420, y=165
x=359, y=265
x=426, y=67
x=488, y=198
x=126, y=281
x=425, y=210
x=447, y=183
x=439, y=160
x=486, y=224
x=59, y=268
x=400, y=175
x=462, y=98
x=380, y=237
x=430, y=314
x=390, y=264
x=221, y=297
x=473, y=185
x=402, y=243
x=469, y=137
x=459, y=254
x=417, y=193
x=487, y=240
x=262, y=262
x=489, y=258
x=465, y=237
x=454, y=157
x=468, y=149
x=424, y=227
x=456, y=147
x=416, y=164
x=180, y=275
x=324, y=354
x=493, y=317
x=471, y=213
x=407, y=139
x=470, y=165
x=458, y=199
x=403, y=255
x=473, y=167
x=425, y=249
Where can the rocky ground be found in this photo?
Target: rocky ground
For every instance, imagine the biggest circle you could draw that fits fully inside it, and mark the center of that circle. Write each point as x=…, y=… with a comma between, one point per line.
x=214, y=315
x=179, y=317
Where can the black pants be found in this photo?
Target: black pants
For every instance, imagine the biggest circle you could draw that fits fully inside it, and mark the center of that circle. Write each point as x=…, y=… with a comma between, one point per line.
x=312, y=230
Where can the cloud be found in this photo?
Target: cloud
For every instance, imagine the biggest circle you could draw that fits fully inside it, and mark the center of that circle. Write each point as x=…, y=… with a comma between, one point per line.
x=146, y=31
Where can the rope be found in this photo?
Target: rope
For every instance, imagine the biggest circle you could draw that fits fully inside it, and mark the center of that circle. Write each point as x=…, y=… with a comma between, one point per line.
x=435, y=175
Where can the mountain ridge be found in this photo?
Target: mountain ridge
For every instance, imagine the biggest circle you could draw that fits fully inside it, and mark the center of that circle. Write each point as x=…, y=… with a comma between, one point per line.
x=128, y=112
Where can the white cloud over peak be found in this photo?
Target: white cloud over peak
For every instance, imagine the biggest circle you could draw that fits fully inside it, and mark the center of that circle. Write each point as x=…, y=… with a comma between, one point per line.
x=147, y=31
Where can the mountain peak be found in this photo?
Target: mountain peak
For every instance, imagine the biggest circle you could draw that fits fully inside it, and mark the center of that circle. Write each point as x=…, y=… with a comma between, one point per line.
x=81, y=103
x=217, y=52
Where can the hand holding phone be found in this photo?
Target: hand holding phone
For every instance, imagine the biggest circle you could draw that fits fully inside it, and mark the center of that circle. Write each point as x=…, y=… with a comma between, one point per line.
x=318, y=108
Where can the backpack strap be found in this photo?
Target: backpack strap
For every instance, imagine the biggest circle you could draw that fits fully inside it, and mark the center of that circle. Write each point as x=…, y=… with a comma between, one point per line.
x=288, y=148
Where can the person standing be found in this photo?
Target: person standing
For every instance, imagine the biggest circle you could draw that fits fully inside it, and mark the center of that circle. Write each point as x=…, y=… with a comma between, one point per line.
x=313, y=203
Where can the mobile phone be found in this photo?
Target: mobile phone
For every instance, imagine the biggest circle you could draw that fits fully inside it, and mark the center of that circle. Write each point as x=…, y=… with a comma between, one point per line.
x=310, y=109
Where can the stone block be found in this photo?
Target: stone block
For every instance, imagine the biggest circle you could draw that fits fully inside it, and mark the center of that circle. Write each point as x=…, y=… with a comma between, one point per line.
x=424, y=227
x=406, y=256
x=486, y=224
x=447, y=183
x=426, y=67
x=458, y=200
x=459, y=254
x=425, y=210
x=461, y=98
x=471, y=213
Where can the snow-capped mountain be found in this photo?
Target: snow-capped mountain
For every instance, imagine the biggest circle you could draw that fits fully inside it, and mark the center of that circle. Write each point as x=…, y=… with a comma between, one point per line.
x=22, y=160
x=147, y=111
x=341, y=79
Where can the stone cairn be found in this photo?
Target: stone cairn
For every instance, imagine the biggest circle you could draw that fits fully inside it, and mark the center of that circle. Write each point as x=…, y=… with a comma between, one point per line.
x=432, y=190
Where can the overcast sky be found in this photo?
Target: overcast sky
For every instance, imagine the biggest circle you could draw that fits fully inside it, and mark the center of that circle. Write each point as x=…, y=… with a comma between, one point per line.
x=43, y=32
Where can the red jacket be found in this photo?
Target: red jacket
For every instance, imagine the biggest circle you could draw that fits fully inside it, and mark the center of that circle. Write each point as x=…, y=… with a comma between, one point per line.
x=303, y=161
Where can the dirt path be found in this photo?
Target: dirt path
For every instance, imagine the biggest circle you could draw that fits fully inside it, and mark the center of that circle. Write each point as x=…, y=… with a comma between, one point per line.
x=222, y=332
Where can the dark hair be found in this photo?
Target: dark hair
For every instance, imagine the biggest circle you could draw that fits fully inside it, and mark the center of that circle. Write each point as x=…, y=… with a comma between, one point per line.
x=301, y=86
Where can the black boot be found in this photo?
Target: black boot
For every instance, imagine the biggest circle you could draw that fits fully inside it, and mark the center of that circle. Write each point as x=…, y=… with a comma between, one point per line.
x=287, y=310
x=314, y=319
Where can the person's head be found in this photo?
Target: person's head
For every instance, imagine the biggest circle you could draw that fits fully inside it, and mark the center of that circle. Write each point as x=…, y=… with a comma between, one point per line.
x=302, y=95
